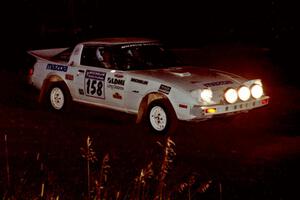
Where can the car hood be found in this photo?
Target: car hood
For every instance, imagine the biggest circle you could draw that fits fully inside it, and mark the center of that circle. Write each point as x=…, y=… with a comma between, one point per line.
x=189, y=78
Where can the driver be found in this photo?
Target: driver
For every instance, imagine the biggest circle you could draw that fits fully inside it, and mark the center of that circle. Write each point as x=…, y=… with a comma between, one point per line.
x=104, y=57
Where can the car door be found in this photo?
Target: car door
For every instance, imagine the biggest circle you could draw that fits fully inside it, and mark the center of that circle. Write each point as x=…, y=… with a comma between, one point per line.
x=89, y=86
x=97, y=81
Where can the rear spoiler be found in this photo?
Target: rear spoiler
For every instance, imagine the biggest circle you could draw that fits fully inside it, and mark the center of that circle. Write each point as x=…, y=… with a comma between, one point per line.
x=46, y=53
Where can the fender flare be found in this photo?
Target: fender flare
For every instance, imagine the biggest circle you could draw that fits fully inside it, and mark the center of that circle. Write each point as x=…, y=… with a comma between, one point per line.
x=147, y=100
x=46, y=85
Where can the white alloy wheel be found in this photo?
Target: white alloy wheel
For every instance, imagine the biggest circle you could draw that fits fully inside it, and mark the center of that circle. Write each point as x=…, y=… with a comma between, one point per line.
x=158, y=118
x=57, y=98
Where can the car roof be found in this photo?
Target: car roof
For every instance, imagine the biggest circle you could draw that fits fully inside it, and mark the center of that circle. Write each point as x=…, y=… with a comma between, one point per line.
x=120, y=41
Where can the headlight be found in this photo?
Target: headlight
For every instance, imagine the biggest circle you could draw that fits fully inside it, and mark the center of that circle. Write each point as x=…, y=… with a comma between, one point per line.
x=244, y=93
x=206, y=95
x=203, y=95
x=257, y=91
x=231, y=95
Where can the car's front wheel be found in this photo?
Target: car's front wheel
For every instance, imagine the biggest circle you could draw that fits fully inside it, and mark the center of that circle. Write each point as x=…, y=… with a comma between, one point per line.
x=161, y=118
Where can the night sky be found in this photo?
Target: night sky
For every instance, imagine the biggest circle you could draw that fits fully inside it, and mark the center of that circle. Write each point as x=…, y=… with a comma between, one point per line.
x=33, y=24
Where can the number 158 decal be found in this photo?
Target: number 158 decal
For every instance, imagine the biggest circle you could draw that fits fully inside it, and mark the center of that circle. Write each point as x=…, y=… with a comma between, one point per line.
x=94, y=84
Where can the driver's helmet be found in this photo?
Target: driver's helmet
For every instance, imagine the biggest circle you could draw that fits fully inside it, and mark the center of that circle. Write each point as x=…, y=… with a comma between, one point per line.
x=99, y=53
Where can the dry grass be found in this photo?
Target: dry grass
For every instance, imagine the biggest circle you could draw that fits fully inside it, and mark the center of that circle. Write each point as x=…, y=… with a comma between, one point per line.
x=40, y=182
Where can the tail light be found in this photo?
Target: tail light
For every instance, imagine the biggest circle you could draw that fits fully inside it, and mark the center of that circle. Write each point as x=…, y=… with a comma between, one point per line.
x=30, y=71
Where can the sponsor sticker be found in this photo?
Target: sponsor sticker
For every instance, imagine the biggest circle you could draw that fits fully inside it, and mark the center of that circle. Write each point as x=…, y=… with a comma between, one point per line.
x=217, y=83
x=138, y=45
x=164, y=89
x=135, y=80
x=55, y=67
x=115, y=83
x=69, y=77
x=117, y=96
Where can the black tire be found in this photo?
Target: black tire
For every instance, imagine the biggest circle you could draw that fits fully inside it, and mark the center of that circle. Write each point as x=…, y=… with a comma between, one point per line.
x=58, y=97
x=161, y=118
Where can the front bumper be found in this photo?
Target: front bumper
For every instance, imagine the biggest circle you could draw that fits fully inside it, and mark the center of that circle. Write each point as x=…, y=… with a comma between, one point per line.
x=206, y=112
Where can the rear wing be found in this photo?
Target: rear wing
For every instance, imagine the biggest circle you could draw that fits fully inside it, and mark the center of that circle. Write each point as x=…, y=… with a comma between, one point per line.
x=46, y=54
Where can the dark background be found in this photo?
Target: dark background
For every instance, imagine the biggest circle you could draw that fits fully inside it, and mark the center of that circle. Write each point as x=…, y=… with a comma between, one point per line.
x=254, y=156
x=33, y=24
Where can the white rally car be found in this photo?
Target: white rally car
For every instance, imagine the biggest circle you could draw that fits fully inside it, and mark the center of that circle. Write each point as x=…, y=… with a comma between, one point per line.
x=141, y=77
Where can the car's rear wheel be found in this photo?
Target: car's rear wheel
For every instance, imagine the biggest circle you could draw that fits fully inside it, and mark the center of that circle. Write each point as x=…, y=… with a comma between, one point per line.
x=161, y=117
x=58, y=98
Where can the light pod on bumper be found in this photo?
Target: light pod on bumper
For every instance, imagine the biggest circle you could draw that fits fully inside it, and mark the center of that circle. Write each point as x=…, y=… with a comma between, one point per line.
x=257, y=91
x=203, y=96
x=231, y=95
x=206, y=95
x=244, y=93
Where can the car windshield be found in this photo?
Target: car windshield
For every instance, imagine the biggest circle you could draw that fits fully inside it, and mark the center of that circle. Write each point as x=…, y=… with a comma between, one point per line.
x=143, y=57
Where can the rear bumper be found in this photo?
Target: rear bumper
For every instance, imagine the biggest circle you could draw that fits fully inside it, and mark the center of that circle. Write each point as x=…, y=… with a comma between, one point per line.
x=206, y=112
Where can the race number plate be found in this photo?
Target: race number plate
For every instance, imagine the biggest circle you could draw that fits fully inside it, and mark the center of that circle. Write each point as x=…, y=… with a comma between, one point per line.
x=94, y=84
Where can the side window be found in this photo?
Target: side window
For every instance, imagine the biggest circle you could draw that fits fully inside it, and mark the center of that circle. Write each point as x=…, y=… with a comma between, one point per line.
x=97, y=57
x=88, y=56
x=129, y=58
x=105, y=58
